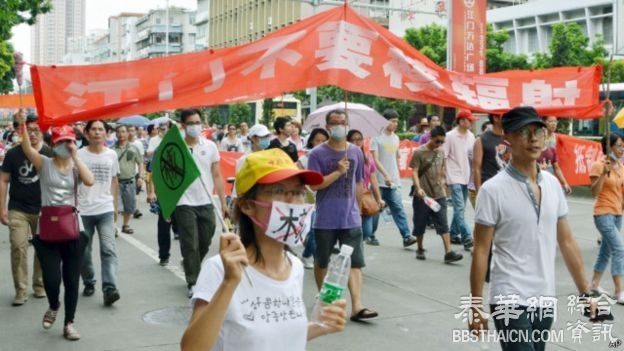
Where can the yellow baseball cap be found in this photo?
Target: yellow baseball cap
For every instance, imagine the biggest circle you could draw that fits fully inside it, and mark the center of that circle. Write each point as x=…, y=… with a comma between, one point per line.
x=268, y=167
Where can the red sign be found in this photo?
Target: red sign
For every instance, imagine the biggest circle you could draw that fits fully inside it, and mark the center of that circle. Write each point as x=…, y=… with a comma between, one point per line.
x=576, y=156
x=406, y=150
x=467, y=33
x=336, y=47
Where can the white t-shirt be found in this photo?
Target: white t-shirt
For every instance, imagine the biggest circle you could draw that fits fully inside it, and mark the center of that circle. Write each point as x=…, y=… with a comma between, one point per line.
x=246, y=143
x=98, y=199
x=231, y=145
x=270, y=316
x=205, y=154
x=139, y=145
x=456, y=149
x=153, y=144
x=524, y=245
x=387, y=147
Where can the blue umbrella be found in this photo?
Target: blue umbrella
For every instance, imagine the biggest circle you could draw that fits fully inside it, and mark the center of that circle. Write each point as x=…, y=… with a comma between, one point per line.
x=136, y=120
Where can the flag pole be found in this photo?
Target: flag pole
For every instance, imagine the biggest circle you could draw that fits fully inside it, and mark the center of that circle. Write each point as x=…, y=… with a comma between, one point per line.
x=224, y=226
x=608, y=101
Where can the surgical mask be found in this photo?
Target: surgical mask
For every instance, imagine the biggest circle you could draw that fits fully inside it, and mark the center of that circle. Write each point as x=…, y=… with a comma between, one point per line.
x=61, y=151
x=338, y=132
x=263, y=143
x=194, y=130
x=284, y=222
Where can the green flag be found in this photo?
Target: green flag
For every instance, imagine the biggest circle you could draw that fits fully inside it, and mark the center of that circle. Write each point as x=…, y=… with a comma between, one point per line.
x=173, y=170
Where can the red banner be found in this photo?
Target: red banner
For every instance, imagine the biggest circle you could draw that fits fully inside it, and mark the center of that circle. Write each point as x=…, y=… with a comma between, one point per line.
x=406, y=150
x=336, y=47
x=576, y=157
x=467, y=36
x=13, y=101
x=227, y=165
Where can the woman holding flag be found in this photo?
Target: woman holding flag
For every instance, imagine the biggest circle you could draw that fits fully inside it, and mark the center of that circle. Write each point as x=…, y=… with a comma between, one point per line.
x=264, y=311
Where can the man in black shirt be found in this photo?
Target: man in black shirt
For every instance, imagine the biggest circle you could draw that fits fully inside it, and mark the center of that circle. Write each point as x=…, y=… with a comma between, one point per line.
x=23, y=211
x=283, y=128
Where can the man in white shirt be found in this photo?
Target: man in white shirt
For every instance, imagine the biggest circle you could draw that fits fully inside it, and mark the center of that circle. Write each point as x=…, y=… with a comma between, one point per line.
x=133, y=139
x=527, y=210
x=459, y=142
x=194, y=213
x=98, y=209
x=385, y=150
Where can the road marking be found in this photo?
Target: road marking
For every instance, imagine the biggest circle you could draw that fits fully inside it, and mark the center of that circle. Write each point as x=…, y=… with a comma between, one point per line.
x=177, y=271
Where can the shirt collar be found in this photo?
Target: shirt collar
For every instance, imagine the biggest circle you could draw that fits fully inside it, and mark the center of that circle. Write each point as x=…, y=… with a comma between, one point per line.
x=519, y=176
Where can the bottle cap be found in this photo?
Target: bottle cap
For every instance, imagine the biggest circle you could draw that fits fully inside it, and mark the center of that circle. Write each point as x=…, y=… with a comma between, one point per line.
x=346, y=250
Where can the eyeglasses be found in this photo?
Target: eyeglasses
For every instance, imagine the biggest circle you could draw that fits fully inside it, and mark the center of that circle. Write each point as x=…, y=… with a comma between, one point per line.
x=279, y=191
x=525, y=133
x=439, y=142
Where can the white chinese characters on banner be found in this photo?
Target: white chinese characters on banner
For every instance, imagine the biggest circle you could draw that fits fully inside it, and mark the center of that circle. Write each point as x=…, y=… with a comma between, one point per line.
x=416, y=75
x=274, y=50
x=112, y=90
x=539, y=93
x=343, y=45
x=218, y=76
x=585, y=157
x=487, y=93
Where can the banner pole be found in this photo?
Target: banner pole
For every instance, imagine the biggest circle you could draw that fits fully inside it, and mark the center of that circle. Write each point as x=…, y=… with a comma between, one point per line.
x=224, y=226
x=608, y=114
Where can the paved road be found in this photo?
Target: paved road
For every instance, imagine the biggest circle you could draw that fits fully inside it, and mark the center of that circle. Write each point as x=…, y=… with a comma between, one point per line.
x=416, y=300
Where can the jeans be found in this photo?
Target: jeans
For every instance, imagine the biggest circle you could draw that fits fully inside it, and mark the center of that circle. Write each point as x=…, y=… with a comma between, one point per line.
x=61, y=261
x=197, y=225
x=393, y=200
x=609, y=227
x=522, y=325
x=108, y=252
x=164, y=236
x=459, y=227
x=369, y=226
x=310, y=245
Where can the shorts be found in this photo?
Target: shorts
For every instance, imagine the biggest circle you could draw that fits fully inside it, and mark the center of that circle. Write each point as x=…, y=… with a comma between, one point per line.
x=327, y=238
x=422, y=213
x=127, y=193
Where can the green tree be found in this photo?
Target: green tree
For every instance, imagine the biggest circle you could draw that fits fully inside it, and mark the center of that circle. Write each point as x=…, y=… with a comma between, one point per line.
x=497, y=59
x=430, y=41
x=214, y=116
x=239, y=113
x=569, y=46
x=12, y=13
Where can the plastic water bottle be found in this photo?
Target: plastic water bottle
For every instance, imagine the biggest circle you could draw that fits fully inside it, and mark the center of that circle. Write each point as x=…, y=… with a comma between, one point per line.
x=433, y=204
x=335, y=282
x=386, y=215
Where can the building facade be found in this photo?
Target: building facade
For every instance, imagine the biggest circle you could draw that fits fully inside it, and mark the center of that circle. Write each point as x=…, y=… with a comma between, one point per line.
x=151, y=32
x=53, y=30
x=530, y=24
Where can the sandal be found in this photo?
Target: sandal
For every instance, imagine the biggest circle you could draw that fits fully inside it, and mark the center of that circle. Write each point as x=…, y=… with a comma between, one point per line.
x=364, y=313
x=126, y=229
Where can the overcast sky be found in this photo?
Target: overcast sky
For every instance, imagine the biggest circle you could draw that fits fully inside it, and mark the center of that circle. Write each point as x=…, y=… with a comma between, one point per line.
x=97, y=14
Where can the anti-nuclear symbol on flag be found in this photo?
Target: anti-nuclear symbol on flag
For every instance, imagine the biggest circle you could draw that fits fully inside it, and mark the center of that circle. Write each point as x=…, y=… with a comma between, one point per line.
x=172, y=166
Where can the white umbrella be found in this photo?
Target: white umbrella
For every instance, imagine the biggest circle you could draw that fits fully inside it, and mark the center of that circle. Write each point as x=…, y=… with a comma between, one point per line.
x=361, y=117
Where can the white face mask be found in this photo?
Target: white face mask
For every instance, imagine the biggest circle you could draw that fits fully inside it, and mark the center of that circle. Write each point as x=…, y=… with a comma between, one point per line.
x=286, y=223
x=194, y=130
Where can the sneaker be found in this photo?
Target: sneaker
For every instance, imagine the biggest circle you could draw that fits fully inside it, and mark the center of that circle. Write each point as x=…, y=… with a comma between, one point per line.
x=420, y=255
x=452, y=256
x=599, y=291
x=20, y=299
x=89, y=290
x=456, y=240
x=39, y=294
x=176, y=236
x=409, y=241
x=308, y=262
x=49, y=318
x=372, y=241
x=468, y=246
x=164, y=261
x=70, y=332
x=137, y=214
x=110, y=296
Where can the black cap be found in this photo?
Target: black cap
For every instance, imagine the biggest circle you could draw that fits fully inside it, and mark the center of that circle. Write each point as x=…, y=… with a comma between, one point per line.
x=519, y=117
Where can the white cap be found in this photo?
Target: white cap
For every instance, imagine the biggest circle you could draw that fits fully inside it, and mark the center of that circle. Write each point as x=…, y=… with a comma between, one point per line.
x=346, y=250
x=258, y=130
